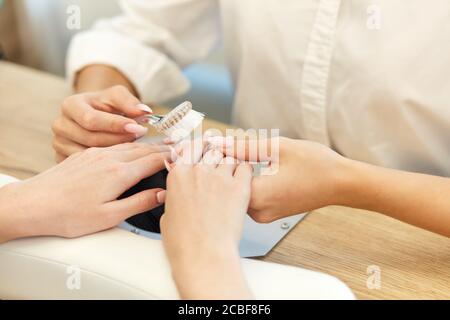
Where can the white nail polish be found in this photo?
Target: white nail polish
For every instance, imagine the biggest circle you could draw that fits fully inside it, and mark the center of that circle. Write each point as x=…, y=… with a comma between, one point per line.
x=161, y=196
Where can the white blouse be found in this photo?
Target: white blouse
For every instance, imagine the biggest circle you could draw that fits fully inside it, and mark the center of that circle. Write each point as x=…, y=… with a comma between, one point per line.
x=370, y=78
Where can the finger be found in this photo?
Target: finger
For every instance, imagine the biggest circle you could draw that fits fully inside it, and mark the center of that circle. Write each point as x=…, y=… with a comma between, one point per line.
x=179, y=148
x=138, y=145
x=173, y=154
x=121, y=99
x=168, y=141
x=169, y=166
x=60, y=157
x=105, y=108
x=146, y=166
x=192, y=152
x=135, y=204
x=125, y=146
x=161, y=196
x=244, y=173
x=140, y=152
x=228, y=165
x=92, y=119
x=65, y=147
x=72, y=131
x=211, y=159
x=211, y=133
x=246, y=149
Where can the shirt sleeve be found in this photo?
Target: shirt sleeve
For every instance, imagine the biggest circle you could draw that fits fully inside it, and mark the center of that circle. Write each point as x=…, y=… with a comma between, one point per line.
x=150, y=43
x=4, y=180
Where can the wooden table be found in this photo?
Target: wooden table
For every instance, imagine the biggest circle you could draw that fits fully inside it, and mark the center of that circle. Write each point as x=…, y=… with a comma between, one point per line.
x=414, y=264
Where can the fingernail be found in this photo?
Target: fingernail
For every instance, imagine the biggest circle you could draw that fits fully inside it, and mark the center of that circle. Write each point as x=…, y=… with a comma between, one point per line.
x=161, y=196
x=173, y=154
x=142, y=119
x=138, y=130
x=208, y=134
x=145, y=108
x=167, y=141
x=167, y=165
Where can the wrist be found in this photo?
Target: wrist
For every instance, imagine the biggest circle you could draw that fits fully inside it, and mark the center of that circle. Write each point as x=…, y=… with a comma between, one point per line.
x=213, y=274
x=10, y=222
x=21, y=212
x=355, y=184
x=195, y=258
x=101, y=77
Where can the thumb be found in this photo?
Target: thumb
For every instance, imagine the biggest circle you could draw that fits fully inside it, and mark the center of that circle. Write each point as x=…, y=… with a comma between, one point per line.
x=254, y=150
x=123, y=101
x=137, y=203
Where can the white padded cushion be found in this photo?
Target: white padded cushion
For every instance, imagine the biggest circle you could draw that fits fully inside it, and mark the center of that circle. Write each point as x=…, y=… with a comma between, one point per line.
x=117, y=264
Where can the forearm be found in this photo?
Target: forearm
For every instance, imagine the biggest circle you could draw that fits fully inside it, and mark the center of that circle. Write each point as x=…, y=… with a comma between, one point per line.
x=100, y=77
x=211, y=276
x=417, y=199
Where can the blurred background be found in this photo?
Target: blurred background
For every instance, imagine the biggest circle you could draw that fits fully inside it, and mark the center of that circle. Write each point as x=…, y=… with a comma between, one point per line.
x=34, y=33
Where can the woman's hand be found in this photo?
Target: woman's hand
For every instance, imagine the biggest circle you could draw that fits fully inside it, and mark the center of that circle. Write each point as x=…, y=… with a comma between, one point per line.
x=205, y=208
x=303, y=176
x=309, y=176
x=97, y=119
x=78, y=196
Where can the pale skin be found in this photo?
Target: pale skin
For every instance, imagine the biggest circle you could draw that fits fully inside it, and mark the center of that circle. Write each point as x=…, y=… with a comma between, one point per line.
x=79, y=196
x=205, y=208
x=312, y=176
x=201, y=233
x=106, y=102
x=351, y=183
x=100, y=114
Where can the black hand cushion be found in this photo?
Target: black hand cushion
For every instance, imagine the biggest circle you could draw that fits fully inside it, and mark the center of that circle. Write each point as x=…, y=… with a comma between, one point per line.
x=149, y=220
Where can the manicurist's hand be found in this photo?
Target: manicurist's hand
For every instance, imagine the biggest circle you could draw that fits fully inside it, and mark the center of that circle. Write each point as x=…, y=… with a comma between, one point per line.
x=309, y=176
x=97, y=119
x=303, y=175
x=78, y=196
x=205, y=208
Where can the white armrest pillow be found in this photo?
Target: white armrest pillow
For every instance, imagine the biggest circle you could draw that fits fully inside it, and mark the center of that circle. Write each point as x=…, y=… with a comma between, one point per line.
x=117, y=264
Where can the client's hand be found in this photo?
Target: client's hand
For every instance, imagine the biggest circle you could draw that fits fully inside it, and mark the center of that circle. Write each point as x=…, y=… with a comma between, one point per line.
x=205, y=208
x=97, y=119
x=78, y=196
x=306, y=176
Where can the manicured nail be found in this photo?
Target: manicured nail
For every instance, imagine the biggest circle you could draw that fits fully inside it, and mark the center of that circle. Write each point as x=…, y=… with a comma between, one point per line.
x=173, y=154
x=209, y=133
x=145, y=108
x=168, y=141
x=161, y=196
x=167, y=165
x=138, y=130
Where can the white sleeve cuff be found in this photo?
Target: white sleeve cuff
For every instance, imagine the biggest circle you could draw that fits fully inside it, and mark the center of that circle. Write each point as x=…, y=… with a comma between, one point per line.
x=4, y=180
x=153, y=74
